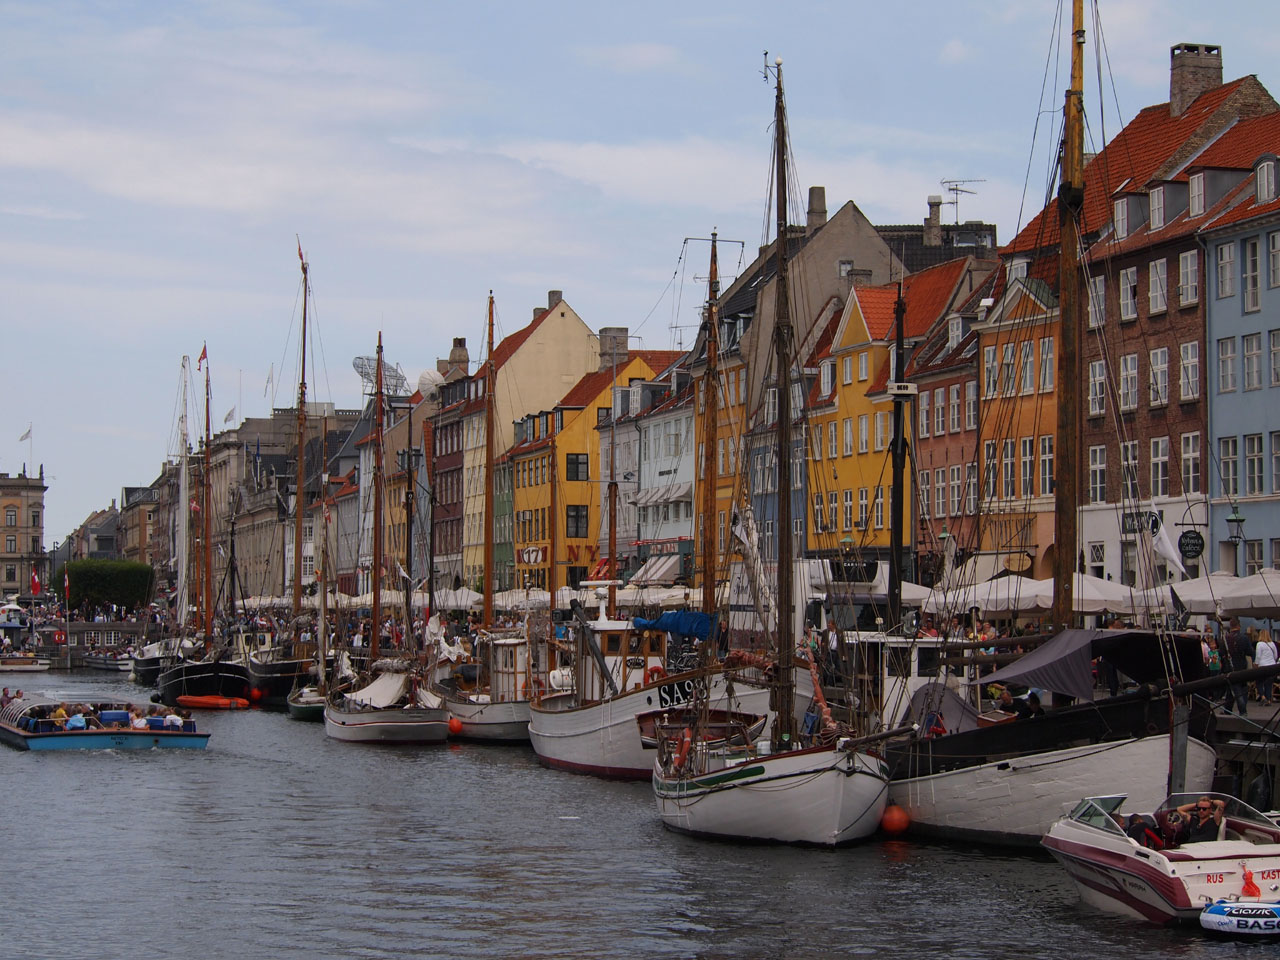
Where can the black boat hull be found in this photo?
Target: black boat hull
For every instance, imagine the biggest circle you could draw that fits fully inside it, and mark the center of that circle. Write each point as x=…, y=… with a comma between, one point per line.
x=204, y=678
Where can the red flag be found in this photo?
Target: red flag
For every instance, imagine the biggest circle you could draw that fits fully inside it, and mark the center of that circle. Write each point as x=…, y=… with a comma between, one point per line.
x=195, y=505
x=35, y=581
x=204, y=355
x=300, y=258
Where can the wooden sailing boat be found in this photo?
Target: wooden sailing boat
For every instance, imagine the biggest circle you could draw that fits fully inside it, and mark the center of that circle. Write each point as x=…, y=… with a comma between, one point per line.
x=827, y=790
x=306, y=702
x=496, y=706
x=391, y=702
x=1008, y=783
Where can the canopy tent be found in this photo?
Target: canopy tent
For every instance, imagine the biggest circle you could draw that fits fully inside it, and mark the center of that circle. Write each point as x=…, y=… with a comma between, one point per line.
x=1014, y=594
x=521, y=600
x=1201, y=595
x=1257, y=595
x=913, y=595
x=388, y=598
x=662, y=569
x=1064, y=664
x=463, y=598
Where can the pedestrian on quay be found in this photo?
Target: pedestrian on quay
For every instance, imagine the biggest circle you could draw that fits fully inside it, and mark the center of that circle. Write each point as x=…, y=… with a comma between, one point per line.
x=1265, y=654
x=1235, y=657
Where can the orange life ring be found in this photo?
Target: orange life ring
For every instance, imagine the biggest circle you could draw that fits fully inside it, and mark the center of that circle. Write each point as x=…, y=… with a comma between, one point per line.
x=537, y=688
x=685, y=742
x=654, y=674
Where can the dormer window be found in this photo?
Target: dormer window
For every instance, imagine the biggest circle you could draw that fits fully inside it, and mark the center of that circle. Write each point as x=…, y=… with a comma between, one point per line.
x=1195, y=203
x=955, y=328
x=1017, y=269
x=1265, y=180
x=1120, y=218
x=1157, y=208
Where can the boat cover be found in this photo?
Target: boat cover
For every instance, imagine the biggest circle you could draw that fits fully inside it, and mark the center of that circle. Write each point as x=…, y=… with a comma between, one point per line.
x=1064, y=664
x=956, y=714
x=385, y=690
x=682, y=623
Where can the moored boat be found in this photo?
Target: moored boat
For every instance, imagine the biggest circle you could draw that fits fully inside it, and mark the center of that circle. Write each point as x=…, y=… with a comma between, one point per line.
x=23, y=663
x=115, y=662
x=213, y=703
x=306, y=703
x=393, y=707
x=26, y=724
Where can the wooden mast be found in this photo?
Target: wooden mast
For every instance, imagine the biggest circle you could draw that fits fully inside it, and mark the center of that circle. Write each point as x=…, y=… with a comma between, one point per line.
x=302, y=439
x=1070, y=203
x=377, y=509
x=206, y=509
x=322, y=631
x=782, y=694
x=710, y=400
x=552, y=530
x=490, y=381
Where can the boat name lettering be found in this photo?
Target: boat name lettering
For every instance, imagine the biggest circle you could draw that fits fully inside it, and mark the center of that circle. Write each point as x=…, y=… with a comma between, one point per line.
x=1214, y=877
x=1266, y=913
x=1258, y=924
x=681, y=692
x=1269, y=874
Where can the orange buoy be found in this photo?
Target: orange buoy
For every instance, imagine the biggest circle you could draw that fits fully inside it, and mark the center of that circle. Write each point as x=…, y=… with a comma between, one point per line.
x=895, y=820
x=255, y=694
x=455, y=726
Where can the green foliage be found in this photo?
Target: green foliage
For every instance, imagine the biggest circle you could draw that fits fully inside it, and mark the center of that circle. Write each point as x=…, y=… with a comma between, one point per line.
x=126, y=583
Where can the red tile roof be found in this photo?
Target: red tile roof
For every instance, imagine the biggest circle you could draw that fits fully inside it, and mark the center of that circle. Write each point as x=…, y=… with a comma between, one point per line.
x=1241, y=204
x=593, y=384
x=929, y=294
x=1240, y=146
x=877, y=305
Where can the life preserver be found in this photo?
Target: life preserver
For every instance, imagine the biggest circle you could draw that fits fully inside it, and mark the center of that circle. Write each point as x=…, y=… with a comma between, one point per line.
x=654, y=674
x=537, y=688
x=686, y=741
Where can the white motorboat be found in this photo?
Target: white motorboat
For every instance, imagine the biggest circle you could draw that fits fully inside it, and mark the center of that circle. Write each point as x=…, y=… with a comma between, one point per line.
x=114, y=662
x=19, y=663
x=1170, y=880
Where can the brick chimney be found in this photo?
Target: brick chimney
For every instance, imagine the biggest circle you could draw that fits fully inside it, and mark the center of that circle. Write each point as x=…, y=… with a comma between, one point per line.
x=817, y=209
x=933, y=222
x=613, y=346
x=1193, y=69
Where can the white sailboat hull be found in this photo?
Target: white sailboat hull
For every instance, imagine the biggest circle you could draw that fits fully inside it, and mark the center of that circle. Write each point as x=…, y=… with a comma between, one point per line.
x=387, y=725
x=506, y=721
x=603, y=738
x=824, y=796
x=1016, y=801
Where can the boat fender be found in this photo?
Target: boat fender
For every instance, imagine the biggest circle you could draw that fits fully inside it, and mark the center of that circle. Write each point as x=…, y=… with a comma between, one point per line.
x=654, y=674
x=686, y=740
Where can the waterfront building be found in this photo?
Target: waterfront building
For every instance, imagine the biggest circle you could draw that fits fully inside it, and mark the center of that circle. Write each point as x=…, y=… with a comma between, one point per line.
x=22, y=511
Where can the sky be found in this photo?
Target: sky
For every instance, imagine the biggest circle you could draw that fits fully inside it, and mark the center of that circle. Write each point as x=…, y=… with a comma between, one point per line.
x=160, y=162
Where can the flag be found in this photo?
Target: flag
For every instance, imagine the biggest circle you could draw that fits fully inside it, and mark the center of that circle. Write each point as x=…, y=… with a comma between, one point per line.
x=35, y=582
x=300, y=258
x=1161, y=543
x=230, y=414
x=270, y=375
x=204, y=355
x=195, y=505
x=25, y=436
x=66, y=587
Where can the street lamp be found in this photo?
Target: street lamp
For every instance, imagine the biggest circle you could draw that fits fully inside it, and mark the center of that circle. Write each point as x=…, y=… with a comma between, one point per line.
x=1235, y=524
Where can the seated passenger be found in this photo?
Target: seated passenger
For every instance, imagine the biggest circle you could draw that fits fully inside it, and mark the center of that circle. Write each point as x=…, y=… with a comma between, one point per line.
x=173, y=720
x=136, y=720
x=59, y=716
x=1206, y=818
x=1033, y=708
x=76, y=721
x=1143, y=832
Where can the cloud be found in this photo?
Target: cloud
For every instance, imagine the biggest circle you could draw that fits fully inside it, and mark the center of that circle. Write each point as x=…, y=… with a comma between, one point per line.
x=956, y=50
x=631, y=57
x=40, y=212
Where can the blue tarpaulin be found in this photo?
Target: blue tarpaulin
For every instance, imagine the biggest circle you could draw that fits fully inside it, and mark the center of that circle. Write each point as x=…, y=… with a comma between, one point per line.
x=682, y=623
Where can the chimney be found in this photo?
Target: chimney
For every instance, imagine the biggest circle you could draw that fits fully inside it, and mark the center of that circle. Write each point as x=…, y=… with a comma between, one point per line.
x=613, y=346
x=1193, y=69
x=817, y=210
x=459, y=358
x=554, y=297
x=933, y=222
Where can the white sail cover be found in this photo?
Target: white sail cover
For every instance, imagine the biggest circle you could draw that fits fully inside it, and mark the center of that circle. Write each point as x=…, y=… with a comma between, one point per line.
x=385, y=690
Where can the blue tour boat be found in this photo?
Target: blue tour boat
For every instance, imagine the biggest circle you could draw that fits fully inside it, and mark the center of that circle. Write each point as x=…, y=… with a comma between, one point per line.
x=26, y=725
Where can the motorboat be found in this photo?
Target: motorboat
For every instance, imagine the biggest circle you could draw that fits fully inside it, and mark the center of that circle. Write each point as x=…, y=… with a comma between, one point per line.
x=27, y=724
x=1166, y=879
x=23, y=663
x=117, y=661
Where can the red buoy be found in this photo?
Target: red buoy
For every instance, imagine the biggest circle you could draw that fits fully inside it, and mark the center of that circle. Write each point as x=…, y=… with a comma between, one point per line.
x=455, y=726
x=895, y=820
x=255, y=694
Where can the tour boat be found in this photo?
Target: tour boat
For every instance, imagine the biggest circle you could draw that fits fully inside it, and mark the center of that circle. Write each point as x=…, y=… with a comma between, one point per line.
x=24, y=724
x=23, y=663
x=114, y=662
x=1113, y=872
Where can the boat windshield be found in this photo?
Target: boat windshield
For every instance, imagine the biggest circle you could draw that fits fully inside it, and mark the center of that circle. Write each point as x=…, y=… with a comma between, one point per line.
x=1098, y=812
x=1235, y=808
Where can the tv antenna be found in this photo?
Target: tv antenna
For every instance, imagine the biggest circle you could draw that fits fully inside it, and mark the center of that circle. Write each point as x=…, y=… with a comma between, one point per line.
x=955, y=188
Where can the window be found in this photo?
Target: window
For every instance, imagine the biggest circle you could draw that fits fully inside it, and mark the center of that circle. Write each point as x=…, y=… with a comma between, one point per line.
x=1250, y=276
x=955, y=328
x=1129, y=563
x=879, y=508
x=833, y=506
x=1121, y=217
x=1252, y=349
x=833, y=440
x=939, y=412
x=957, y=475
x=954, y=403
x=1017, y=269
x=848, y=510
x=1275, y=554
x=1098, y=474
x=826, y=377
x=1156, y=204
x=924, y=413
x=880, y=429
x=576, y=521
x=1156, y=290
x=862, y=507
x=862, y=433
x=1097, y=301
x=1274, y=349
x=1006, y=370
x=1226, y=364
x=10, y=517
x=1159, y=376
x=771, y=405
x=10, y=544
x=989, y=469
x=1097, y=387
x=1190, y=463
x=11, y=573
x=1253, y=483
x=1129, y=293
x=862, y=366
x=1252, y=557
x=35, y=517
x=847, y=448
x=922, y=481
x=1189, y=370
x=989, y=371
x=576, y=467
x=1265, y=181
x=1189, y=277
x=1159, y=466
x=1129, y=469
x=1047, y=368
x=1129, y=381
x=971, y=488
x=1275, y=461
x=720, y=531
x=940, y=492
x=1273, y=259
x=1028, y=466
x=1226, y=270
x=1228, y=452
x=1195, y=205
x=847, y=369
x=1027, y=367
x=1008, y=470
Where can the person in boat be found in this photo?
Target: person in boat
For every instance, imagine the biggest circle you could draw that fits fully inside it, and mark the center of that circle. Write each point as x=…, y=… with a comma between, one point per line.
x=77, y=720
x=173, y=720
x=59, y=716
x=1205, y=818
x=1033, y=708
x=1142, y=830
x=5, y=699
x=136, y=720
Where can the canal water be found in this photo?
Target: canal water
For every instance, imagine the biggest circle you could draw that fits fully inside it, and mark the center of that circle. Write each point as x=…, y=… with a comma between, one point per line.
x=277, y=842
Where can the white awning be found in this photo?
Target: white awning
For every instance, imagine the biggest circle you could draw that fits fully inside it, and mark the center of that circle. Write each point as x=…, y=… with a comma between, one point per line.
x=661, y=569
x=668, y=493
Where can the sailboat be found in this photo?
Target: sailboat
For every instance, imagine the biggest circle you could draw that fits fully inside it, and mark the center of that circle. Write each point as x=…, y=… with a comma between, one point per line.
x=826, y=789
x=221, y=671
x=1009, y=782
x=391, y=701
x=306, y=702
x=496, y=706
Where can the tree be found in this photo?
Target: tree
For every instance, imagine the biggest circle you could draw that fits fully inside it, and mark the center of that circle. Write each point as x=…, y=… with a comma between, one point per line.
x=125, y=583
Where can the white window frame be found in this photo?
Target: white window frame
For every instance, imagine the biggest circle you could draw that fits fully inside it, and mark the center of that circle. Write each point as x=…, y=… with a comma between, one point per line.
x=1229, y=466
x=847, y=449
x=1251, y=361
x=1189, y=370
x=971, y=405
x=940, y=493
x=1265, y=181
x=862, y=366
x=954, y=406
x=1129, y=293
x=1159, y=467
x=1098, y=473
x=1120, y=217
x=1157, y=292
x=1274, y=349
x=1188, y=277
x=939, y=411
x=1155, y=203
x=1048, y=364
x=924, y=480
x=1129, y=489
x=971, y=488
x=1097, y=301
x=957, y=489
x=1249, y=266
x=847, y=369
x=1046, y=464
x=990, y=371
x=1158, y=376
x=1097, y=388
x=1128, y=398
x=923, y=413
x=1226, y=259
x=862, y=432
x=1027, y=464
x=1191, y=462
x=1273, y=258
x=1227, y=365
x=1195, y=195
x=880, y=430
x=1254, y=480
x=1027, y=367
